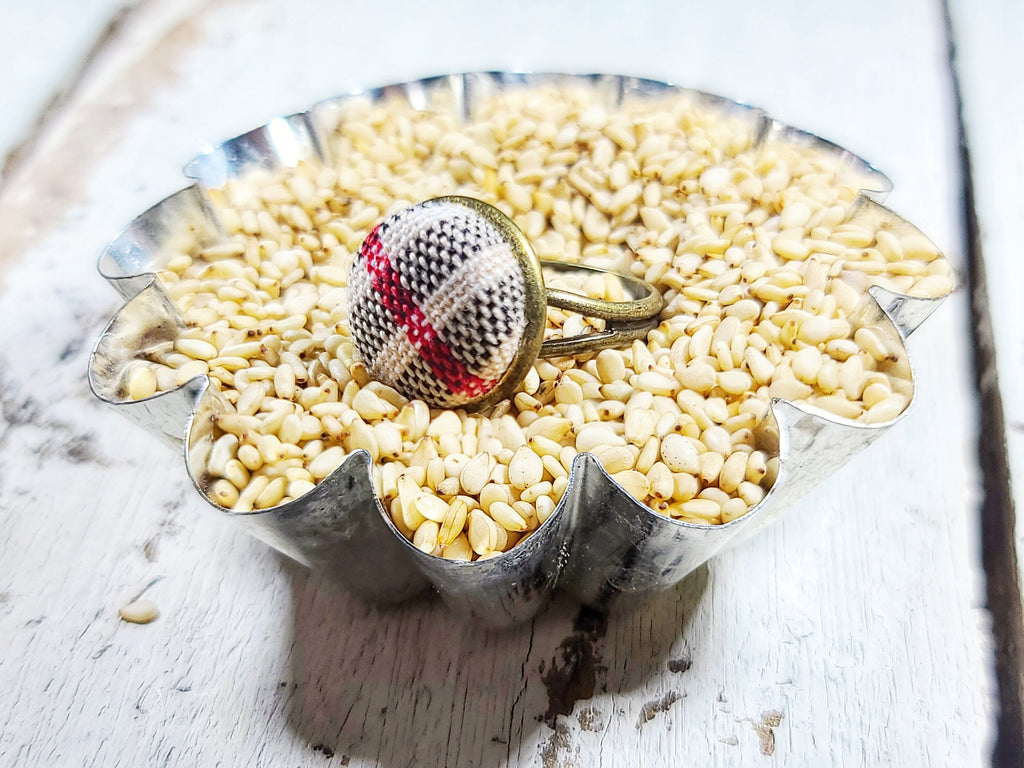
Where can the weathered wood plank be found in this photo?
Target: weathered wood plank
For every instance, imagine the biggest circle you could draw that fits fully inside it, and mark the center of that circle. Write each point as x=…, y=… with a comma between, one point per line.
x=43, y=50
x=850, y=632
x=986, y=49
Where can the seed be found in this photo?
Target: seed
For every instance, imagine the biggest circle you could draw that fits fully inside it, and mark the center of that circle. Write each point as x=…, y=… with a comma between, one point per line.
x=702, y=508
x=790, y=247
x=298, y=488
x=236, y=473
x=507, y=517
x=370, y=407
x=751, y=493
x=932, y=286
x=660, y=481
x=272, y=494
x=438, y=469
x=756, y=466
x=224, y=449
x=871, y=343
x=839, y=405
x=554, y=466
x=389, y=440
x=534, y=492
x=733, y=508
x=191, y=370
x=656, y=383
x=806, y=365
x=140, y=611
x=475, y=473
x=734, y=382
x=142, y=383
x=249, y=456
x=716, y=439
x=426, y=537
x=544, y=447
x=326, y=462
x=431, y=507
x=794, y=215
x=494, y=492
x=454, y=522
x=639, y=425
x=284, y=382
x=815, y=330
x=448, y=487
x=483, y=532
x=525, y=469
x=568, y=391
x=223, y=492
x=593, y=435
x=550, y=427
x=789, y=389
x=614, y=458
x=361, y=437
x=886, y=410
x=458, y=549
x=545, y=508
x=446, y=422
x=710, y=466
x=634, y=483
x=679, y=454
x=733, y=472
x=252, y=490
x=760, y=368
x=196, y=348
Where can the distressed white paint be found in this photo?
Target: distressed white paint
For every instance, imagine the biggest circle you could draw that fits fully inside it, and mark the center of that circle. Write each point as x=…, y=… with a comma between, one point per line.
x=988, y=49
x=856, y=621
x=42, y=46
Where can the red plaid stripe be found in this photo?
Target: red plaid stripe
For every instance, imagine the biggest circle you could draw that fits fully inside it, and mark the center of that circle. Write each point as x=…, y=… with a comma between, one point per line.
x=386, y=283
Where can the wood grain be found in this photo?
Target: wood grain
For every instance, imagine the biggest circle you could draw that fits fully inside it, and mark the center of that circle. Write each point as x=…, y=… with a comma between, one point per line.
x=852, y=632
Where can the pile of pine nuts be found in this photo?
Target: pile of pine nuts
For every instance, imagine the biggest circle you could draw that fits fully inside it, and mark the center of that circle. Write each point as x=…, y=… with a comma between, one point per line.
x=760, y=252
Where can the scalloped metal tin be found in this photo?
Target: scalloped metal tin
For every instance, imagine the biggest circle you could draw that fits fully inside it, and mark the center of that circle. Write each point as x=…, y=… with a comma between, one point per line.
x=599, y=542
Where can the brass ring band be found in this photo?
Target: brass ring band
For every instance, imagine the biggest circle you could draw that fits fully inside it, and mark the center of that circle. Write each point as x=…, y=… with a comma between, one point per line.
x=646, y=305
x=628, y=320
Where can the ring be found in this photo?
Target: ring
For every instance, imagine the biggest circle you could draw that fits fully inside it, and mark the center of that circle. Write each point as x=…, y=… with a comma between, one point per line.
x=446, y=304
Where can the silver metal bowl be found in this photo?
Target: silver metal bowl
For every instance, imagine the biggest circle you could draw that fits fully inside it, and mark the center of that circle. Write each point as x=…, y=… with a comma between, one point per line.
x=599, y=542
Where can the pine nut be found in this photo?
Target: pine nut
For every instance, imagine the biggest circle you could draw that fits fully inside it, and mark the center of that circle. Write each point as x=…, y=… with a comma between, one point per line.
x=679, y=454
x=142, y=383
x=458, y=549
x=525, y=469
x=454, y=522
x=140, y=611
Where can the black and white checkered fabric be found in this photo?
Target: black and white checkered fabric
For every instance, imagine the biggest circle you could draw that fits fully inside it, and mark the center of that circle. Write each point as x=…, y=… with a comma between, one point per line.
x=436, y=303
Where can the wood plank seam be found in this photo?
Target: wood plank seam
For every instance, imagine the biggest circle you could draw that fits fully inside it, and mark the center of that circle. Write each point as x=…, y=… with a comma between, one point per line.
x=997, y=513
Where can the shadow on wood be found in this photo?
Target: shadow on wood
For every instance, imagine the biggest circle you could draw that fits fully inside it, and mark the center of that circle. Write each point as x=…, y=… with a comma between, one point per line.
x=418, y=685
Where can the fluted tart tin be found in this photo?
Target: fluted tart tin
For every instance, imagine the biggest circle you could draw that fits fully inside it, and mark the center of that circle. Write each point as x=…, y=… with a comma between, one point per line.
x=599, y=541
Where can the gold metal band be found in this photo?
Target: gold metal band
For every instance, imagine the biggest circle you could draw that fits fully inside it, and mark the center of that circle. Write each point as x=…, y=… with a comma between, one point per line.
x=645, y=304
x=627, y=320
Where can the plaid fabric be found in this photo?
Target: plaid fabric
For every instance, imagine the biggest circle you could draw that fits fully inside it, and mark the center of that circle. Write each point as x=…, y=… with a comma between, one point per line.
x=435, y=302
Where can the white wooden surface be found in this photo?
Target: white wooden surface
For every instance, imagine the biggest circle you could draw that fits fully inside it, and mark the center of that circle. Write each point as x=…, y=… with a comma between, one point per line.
x=853, y=632
x=44, y=48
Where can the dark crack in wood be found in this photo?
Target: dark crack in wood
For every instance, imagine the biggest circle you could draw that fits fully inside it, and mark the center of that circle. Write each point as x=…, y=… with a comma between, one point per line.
x=571, y=675
x=998, y=516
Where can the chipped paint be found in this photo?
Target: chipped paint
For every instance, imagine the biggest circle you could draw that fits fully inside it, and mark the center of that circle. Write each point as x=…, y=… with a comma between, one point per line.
x=765, y=730
x=652, y=709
